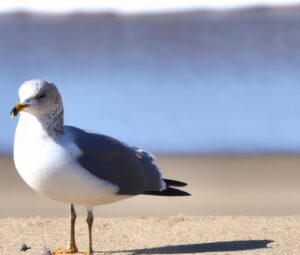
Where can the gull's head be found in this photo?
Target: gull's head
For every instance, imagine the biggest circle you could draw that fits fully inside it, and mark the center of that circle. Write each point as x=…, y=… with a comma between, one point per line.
x=38, y=97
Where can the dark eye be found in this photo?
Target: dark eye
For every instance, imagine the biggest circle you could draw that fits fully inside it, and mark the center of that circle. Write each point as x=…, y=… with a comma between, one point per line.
x=40, y=96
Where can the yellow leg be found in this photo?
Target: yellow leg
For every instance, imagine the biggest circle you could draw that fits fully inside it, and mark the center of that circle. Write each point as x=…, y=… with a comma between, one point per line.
x=72, y=245
x=89, y=221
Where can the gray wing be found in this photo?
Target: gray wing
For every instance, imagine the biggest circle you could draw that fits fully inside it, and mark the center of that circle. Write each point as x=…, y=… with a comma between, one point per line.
x=130, y=168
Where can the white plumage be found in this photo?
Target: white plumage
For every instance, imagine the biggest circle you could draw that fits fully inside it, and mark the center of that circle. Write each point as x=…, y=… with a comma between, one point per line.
x=49, y=167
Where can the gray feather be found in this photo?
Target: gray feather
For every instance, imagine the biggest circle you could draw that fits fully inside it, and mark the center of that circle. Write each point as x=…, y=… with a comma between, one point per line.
x=130, y=168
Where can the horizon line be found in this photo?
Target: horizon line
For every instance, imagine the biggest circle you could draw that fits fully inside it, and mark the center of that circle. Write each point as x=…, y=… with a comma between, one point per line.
x=136, y=11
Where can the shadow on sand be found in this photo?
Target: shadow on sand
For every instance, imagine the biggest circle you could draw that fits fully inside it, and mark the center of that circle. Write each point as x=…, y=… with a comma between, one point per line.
x=202, y=248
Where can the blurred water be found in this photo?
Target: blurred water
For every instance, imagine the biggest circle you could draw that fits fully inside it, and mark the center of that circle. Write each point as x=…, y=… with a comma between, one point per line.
x=190, y=82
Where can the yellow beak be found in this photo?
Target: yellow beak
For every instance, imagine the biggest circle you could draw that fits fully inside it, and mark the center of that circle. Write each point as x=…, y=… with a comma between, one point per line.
x=19, y=107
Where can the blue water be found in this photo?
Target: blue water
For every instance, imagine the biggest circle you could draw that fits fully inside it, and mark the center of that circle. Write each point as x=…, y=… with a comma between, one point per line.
x=187, y=83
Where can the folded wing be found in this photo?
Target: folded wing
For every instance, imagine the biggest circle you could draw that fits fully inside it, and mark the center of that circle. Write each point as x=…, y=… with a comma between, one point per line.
x=130, y=168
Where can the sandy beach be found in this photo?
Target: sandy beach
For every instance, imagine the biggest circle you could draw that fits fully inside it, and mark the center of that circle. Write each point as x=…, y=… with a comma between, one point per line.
x=209, y=81
x=220, y=185
x=239, y=205
x=163, y=235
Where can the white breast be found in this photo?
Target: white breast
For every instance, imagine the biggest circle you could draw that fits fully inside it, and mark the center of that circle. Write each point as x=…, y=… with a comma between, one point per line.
x=50, y=167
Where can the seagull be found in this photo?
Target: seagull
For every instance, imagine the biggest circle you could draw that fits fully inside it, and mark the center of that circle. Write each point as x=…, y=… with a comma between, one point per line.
x=78, y=167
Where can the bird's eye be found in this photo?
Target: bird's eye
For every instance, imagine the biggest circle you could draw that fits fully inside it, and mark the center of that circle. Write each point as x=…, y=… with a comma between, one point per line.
x=40, y=96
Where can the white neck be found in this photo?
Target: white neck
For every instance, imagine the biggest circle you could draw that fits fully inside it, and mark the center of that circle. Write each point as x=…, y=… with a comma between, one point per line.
x=50, y=125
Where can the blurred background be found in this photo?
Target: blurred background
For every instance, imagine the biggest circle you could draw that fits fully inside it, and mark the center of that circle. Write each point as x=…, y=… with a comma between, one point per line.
x=211, y=88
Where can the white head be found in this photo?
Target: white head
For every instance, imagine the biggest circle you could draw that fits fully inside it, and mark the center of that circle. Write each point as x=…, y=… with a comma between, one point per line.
x=42, y=100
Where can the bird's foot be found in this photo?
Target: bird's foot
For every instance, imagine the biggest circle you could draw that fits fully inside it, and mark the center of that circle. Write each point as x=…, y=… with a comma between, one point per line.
x=70, y=250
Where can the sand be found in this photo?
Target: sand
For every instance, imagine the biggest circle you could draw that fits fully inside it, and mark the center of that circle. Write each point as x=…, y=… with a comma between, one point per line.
x=162, y=235
x=220, y=185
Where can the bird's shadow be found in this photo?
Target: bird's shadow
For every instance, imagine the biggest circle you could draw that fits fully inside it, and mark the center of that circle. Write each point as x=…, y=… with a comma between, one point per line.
x=202, y=247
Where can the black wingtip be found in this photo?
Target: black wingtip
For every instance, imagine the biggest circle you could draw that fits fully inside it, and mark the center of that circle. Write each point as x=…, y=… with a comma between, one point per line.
x=174, y=183
x=169, y=192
